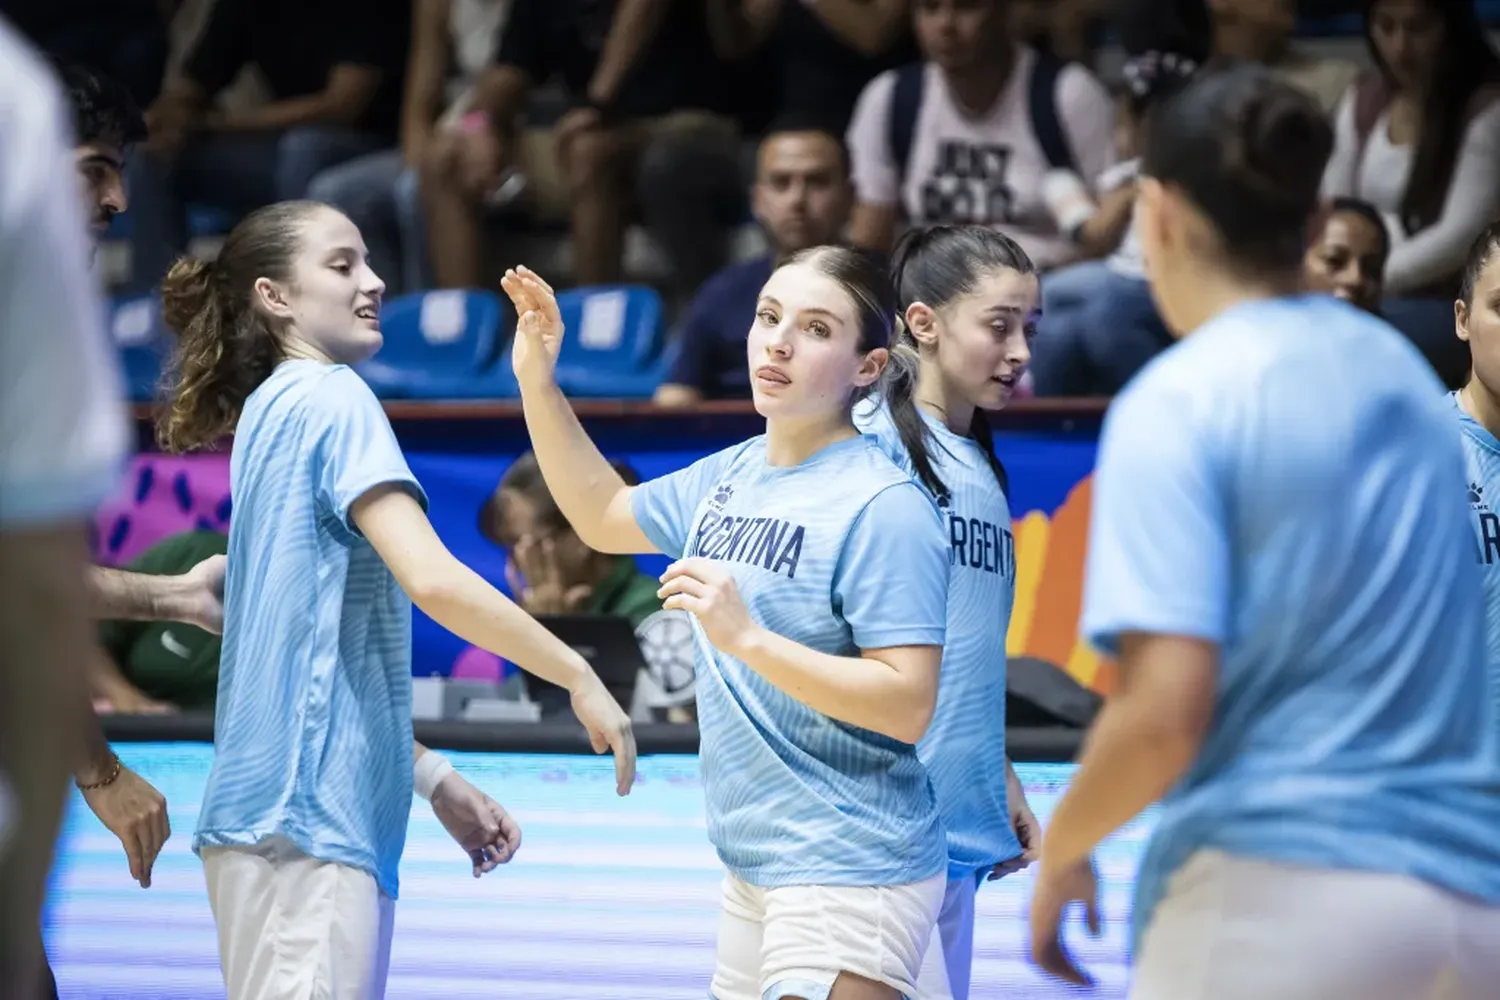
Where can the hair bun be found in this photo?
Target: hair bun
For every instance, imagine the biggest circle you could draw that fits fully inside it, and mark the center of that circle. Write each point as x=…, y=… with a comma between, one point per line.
x=1287, y=141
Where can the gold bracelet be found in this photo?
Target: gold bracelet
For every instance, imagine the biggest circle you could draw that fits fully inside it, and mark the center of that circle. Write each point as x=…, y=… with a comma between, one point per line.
x=109, y=779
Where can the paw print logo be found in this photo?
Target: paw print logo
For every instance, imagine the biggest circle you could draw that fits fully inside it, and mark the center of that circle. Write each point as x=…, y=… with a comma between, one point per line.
x=1476, y=496
x=722, y=494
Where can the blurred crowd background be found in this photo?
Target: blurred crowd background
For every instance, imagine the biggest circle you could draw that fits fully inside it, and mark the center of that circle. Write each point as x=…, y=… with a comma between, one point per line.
x=679, y=145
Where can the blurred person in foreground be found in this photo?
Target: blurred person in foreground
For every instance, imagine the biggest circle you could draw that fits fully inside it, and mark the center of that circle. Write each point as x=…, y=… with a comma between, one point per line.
x=1281, y=563
x=801, y=198
x=63, y=438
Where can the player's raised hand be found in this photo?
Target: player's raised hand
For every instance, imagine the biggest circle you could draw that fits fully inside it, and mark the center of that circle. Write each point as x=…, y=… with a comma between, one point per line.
x=608, y=727
x=479, y=824
x=539, y=326
x=705, y=590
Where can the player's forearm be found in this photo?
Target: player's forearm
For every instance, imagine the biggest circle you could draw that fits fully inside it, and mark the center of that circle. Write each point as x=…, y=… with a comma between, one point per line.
x=580, y=478
x=1130, y=759
x=860, y=691
x=123, y=596
x=461, y=601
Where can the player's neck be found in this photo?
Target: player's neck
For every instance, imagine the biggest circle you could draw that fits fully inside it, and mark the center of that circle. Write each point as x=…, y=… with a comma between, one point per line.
x=934, y=397
x=977, y=88
x=1218, y=293
x=792, y=441
x=1480, y=403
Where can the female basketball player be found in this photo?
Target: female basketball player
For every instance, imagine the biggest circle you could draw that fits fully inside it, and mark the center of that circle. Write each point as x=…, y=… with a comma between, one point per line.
x=969, y=298
x=1279, y=562
x=808, y=709
x=1477, y=313
x=305, y=813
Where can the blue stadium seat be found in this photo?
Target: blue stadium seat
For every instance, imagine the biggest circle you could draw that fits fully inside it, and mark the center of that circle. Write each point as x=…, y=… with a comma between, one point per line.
x=436, y=344
x=136, y=329
x=613, y=345
x=207, y=220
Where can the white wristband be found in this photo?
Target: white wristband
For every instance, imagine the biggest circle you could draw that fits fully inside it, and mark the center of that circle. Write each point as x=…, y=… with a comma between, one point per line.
x=1068, y=199
x=432, y=767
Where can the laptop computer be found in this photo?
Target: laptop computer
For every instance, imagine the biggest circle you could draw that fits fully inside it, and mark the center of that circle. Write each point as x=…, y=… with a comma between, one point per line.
x=607, y=642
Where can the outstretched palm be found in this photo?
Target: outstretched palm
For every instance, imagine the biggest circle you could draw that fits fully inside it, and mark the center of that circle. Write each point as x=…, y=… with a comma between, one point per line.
x=539, y=326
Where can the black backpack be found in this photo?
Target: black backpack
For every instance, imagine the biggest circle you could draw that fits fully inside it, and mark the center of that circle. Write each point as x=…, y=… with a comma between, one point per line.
x=906, y=103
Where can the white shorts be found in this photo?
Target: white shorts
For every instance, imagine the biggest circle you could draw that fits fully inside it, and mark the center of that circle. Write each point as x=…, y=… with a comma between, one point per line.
x=949, y=961
x=1236, y=928
x=794, y=941
x=295, y=928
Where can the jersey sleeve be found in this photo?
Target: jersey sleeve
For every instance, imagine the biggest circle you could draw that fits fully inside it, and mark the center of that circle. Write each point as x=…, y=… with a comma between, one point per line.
x=357, y=449
x=64, y=435
x=891, y=581
x=1159, y=545
x=664, y=507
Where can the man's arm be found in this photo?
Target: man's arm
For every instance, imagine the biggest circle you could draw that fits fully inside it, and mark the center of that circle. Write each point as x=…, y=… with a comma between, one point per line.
x=341, y=102
x=195, y=597
x=869, y=27
x=630, y=32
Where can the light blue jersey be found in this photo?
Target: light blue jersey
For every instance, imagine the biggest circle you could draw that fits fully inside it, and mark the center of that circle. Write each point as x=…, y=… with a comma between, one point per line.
x=1482, y=454
x=1283, y=483
x=312, y=731
x=964, y=749
x=840, y=553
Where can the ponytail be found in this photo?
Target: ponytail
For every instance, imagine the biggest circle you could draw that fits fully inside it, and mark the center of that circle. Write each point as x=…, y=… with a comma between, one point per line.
x=984, y=436
x=898, y=389
x=225, y=347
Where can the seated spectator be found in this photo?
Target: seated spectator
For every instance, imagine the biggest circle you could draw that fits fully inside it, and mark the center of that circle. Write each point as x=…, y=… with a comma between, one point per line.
x=153, y=667
x=333, y=68
x=126, y=40
x=801, y=197
x=550, y=571
x=809, y=61
x=1419, y=138
x=1261, y=31
x=106, y=123
x=1346, y=257
x=1099, y=323
x=965, y=139
x=635, y=72
x=452, y=41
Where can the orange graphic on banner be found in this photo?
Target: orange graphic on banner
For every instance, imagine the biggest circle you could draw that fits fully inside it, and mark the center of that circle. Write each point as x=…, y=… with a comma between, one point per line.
x=1049, y=591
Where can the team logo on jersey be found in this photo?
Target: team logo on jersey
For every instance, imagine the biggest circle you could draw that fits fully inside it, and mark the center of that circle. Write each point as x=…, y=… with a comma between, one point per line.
x=721, y=496
x=1476, y=497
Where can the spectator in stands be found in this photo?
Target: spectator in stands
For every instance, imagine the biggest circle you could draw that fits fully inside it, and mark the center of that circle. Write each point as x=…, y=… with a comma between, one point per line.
x=1419, y=138
x=817, y=58
x=333, y=68
x=983, y=134
x=1261, y=31
x=124, y=39
x=1099, y=324
x=1348, y=252
x=550, y=571
x=156, y=666
x=1067, y=29
x=634, y=72
x=801, y=196
x=452, y=42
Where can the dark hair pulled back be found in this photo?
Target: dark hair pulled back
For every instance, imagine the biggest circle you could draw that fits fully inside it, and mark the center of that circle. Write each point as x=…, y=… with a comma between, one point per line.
x=1249, y=152
x=863, y=276
x=938, y=265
